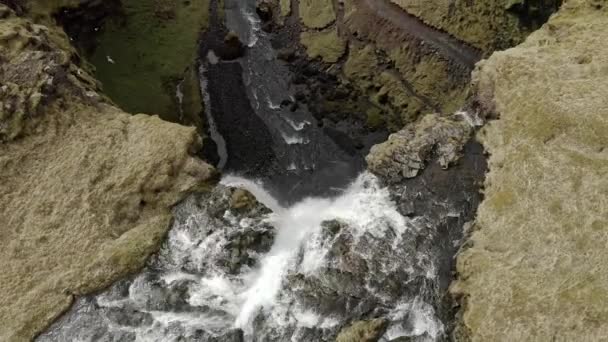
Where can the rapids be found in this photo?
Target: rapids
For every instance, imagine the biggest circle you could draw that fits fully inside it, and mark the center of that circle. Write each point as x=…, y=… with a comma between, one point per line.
x=326, y=261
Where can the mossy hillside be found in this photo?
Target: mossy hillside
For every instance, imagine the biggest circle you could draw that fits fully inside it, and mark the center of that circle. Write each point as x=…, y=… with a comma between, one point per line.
x=536, y=268
x=43, y=10
x=431, y=77
x=385, y=88
x=141, y=58
x=325, y=44
x=285, y=8
x=317, y=14
x=487, y=25
x=406, y=78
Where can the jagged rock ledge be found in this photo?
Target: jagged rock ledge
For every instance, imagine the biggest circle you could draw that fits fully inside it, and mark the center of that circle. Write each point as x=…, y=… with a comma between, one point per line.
x=435, y=171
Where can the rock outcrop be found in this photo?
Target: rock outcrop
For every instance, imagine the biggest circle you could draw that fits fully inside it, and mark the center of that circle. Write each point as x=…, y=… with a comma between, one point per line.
x=86, y=189
x=536, y=269
x=363, y=331
x=407, y=152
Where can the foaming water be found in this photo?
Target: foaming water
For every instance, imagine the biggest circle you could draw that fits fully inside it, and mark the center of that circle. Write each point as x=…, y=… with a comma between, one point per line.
x=254, y=25
x=323, y=263
x=294, y=139
x=365, y=208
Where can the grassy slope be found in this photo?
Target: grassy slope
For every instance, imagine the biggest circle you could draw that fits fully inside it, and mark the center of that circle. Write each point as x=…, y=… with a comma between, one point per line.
x=536, y=270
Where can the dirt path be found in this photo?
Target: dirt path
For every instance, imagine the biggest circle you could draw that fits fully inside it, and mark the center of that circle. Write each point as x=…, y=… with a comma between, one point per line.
x=445, y=43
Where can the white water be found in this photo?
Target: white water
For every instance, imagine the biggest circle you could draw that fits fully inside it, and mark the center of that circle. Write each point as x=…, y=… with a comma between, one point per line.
x=198, y=244
x=179, y=95
x=254, y=25
x=272, y=105
x=298, y=126
x=364, y=207
x=294, y=139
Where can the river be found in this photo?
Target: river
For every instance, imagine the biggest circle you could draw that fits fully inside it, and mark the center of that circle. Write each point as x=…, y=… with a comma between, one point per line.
x=326, y=246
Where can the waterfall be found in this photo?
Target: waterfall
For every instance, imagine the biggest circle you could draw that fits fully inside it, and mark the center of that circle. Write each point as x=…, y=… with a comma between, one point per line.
x=314, y=266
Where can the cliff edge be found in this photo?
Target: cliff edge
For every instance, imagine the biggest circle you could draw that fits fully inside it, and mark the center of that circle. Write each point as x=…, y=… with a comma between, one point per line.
x=535, y=269
x=86, y=189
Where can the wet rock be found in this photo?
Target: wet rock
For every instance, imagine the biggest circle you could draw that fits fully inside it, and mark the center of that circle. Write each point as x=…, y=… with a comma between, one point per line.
x=152, y=295
x=245, y=246
x=331, y=228
x=233, y=47
x=408, y=151
x=235, y=335
x=242, y=199
x=363, y=331
x=422, y=338
x=128, y=318
x=294, y=106
x=264, y=9
x=209, y=237
x=287, y=54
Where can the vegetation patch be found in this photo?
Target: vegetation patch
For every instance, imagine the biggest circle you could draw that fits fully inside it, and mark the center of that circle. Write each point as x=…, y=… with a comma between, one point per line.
x=143, y=55
x=325, y=44
x=536, y=266
x=317, y=14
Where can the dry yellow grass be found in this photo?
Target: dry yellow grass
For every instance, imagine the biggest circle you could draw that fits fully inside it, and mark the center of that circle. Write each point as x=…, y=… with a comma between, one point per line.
x=537, y=268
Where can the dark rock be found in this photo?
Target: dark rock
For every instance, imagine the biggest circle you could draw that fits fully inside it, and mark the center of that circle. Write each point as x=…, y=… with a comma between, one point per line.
x=235, y=335
x=264, y=10
x=294, y=106
x=268, y=27
x=233, y=48
x=128, y=317
x=331, y=228
x=287, y=54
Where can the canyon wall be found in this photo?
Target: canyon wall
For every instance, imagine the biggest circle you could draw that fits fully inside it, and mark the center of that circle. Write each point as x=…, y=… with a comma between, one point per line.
x=86, y=188
x=534, y=268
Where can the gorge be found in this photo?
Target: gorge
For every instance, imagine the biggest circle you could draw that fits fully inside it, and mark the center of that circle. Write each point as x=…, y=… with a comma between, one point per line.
x=352, y=139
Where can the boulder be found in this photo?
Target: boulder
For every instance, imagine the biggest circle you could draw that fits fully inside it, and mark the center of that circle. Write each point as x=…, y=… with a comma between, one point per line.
x=233, y=47
x=363, y=331
x=407, y=152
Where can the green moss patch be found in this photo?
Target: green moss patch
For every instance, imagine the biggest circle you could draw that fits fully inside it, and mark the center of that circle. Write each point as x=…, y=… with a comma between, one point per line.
x=143, y=55
x=325, y=44
x=317, y=13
